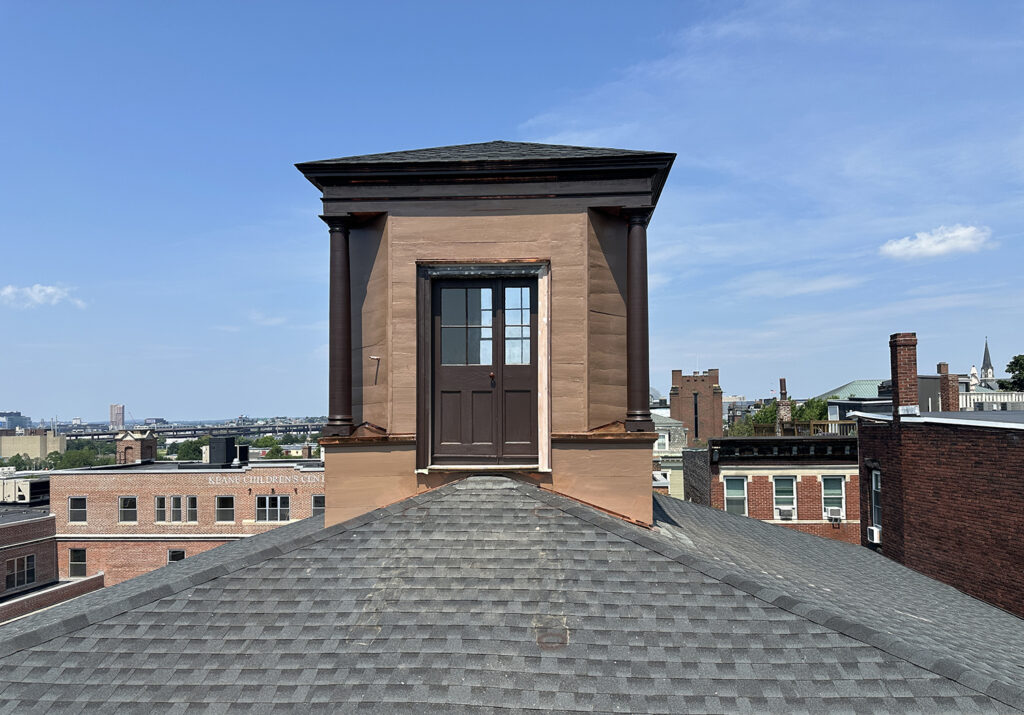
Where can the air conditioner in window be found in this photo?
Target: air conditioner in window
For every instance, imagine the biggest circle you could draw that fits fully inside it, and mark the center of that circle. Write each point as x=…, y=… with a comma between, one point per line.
x=785, y=514
x=874, y=534
x=833, y=513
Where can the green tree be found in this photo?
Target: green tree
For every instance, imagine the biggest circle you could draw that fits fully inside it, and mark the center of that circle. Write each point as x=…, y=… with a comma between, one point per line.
x=766, y=415
x=191, y=450
x=1015, y=368
x=265, y=441
x=275, y=452
x=289, y=438
x=19, y=462
x=814, y=409
x=742, y=428
x=76, y=458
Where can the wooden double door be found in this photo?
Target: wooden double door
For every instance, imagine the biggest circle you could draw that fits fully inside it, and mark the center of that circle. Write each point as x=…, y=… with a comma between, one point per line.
x=484, y=362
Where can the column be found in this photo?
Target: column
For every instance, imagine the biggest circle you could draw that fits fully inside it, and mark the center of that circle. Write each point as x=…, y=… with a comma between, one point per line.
x=638, y=380
x=339, y=398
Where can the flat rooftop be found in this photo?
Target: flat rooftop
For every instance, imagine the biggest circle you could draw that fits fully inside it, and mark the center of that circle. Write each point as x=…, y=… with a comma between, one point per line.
x=13, y=513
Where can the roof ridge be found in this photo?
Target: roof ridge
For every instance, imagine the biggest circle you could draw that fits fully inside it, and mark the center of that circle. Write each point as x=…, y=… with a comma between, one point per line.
x=42, y=626
x=662, y=544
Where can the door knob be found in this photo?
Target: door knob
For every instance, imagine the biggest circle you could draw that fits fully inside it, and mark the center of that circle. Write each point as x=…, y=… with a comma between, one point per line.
x=492, y=375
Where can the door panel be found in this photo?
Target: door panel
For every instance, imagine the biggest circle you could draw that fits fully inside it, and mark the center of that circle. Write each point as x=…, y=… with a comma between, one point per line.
x=484, y=371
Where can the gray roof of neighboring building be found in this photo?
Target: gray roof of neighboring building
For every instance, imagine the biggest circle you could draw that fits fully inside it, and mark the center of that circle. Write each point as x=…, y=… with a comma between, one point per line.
x=13, y=513
x=488, y=151
x=487, y=594
x=856, y=388
x=664, y=421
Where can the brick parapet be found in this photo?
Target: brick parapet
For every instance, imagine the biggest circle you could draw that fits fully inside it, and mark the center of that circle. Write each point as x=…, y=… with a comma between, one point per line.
x=952, y=507
x=49, y=597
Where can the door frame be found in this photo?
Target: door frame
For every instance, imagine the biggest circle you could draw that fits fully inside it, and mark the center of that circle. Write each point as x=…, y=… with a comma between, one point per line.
x=426, y=273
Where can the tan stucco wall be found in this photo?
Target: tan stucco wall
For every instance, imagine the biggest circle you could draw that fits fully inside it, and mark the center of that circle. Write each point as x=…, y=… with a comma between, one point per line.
x=606, y=319
x=615, y=477
x=362, y=478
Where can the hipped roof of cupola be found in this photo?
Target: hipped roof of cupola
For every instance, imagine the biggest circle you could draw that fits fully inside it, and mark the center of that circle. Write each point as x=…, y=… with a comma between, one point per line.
x=494, y=161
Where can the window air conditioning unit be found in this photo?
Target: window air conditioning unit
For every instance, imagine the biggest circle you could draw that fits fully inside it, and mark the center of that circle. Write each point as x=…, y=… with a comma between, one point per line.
x=785, y=514
x=833, y=513
x=874, y=534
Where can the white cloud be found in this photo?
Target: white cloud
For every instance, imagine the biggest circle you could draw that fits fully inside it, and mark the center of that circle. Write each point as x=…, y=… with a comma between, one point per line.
x=36, y=295
x=938, y=242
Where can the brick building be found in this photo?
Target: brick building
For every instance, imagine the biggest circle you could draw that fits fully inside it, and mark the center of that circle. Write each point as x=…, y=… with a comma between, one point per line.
x=28, y=563
x=940, y=491
x=136, y=446
x=791, y=481
x=127, y=520
x=696, y=401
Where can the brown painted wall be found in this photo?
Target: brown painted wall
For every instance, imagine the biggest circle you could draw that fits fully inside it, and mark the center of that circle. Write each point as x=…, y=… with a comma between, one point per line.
x=560, y=238
x=368, y=252
x=606, y=319
x=365, y=477
x=614, y=477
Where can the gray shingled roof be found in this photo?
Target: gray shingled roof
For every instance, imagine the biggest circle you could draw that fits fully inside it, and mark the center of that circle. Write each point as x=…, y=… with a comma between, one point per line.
x=487, y=151
x=485, y=594
x=883, y=603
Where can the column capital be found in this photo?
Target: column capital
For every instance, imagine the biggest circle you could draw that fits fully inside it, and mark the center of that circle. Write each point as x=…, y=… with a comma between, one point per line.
x=338, y=223
x=638, y=216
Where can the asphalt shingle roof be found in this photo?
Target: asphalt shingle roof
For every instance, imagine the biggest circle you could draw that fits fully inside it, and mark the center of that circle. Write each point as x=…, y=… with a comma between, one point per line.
x=484, y=594
x=488, y=151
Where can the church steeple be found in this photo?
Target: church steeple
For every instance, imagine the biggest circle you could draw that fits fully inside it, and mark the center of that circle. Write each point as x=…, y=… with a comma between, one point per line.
x=987, y=371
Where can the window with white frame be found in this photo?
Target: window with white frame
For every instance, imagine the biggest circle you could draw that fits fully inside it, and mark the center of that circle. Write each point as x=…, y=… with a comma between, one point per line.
x=876, y=498
x=76, y=563
x=127, y=509
x=833, y=496
x=176, y=508
x=77, y=509
x=736, y=495
x=225, y=508
x=785, y=497
x=662, y=443
x=21, y=571
x=271, y=507
x=318, y=504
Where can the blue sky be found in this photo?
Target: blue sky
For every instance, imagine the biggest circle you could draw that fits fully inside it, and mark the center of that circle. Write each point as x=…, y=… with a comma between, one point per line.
x=845, y=171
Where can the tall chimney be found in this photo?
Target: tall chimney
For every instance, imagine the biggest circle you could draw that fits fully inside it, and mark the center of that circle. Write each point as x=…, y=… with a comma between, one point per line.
x=783, y=410
x=949, y=392
x=903, y=361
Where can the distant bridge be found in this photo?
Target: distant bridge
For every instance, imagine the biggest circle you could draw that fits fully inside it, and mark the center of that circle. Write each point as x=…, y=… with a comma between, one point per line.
x=194, y=431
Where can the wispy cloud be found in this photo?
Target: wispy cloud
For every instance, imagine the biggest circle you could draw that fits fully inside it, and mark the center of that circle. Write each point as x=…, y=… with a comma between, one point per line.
x=778, y=284
x=37, y=295
x=938, y=242
x=268, y=321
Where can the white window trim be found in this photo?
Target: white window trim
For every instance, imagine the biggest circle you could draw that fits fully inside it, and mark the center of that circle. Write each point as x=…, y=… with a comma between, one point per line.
x=120, y=509
x=821, y=480
x=725, y=493
x=871, y=493
x=775, y=507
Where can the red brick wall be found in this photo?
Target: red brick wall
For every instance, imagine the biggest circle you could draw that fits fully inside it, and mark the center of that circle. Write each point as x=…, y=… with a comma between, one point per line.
x=122, y=560
x=12, y=546
x=49, y=597
x=761, y=503
x=952, y=505
x=709, y=404
x=903, y=369
x=104, y=488
x=121, y=557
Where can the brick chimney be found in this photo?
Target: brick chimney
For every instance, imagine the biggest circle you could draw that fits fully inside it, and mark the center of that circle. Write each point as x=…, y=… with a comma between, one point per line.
x=784, y=408
x=903, y=361
x=949, y=389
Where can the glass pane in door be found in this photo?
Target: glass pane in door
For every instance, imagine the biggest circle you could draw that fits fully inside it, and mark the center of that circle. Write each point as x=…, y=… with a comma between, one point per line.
x=517, y=325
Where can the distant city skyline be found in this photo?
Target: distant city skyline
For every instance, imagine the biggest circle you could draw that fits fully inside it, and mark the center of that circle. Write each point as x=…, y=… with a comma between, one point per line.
x=844, y=172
